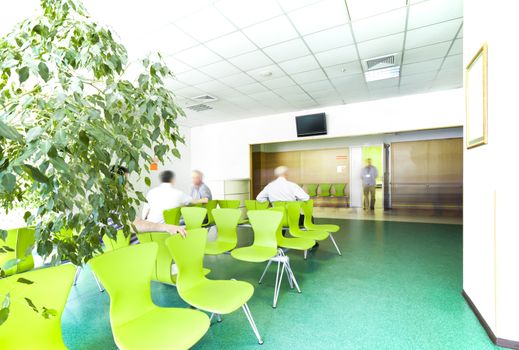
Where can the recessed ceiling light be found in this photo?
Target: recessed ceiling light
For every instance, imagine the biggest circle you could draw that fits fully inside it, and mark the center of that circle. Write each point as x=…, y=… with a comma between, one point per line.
x=383, y=73
x=266, y=73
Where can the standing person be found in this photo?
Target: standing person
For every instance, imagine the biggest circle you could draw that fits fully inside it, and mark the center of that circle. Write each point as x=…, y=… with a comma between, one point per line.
x=166, y=196
x=282, y=190
x=369, y=176
x=199, y=189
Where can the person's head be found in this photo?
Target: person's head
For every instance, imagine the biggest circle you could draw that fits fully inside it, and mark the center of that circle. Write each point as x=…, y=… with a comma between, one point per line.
x=281, y=171
x=368, y=161
x=167, y=176
x=197, y=177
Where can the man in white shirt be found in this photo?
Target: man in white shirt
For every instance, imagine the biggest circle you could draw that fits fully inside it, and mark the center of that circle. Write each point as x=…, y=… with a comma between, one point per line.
x=166, y=196
x=281, y=189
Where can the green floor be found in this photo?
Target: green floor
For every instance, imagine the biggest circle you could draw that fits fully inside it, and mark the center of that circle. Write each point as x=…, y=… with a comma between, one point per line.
x=397, y=286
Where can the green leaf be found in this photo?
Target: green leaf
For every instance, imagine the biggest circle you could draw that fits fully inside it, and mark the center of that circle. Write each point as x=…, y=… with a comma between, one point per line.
x=147, y=181
x=4, y=315
x=35, y=173
x=44, y=71
x=34, y=133
x=31, y=304
x=176, y=152
x=7, y=248
x=9, y=132
x=27, y=215
x=10, y=264
x=83, y=137
x=24, y=280
x=9, y=182
x=48, y=313
x=3, y=234
x=23, y=74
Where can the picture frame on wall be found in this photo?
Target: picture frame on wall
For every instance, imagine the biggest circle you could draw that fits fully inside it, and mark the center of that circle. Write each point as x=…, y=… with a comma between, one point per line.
x=476, y=99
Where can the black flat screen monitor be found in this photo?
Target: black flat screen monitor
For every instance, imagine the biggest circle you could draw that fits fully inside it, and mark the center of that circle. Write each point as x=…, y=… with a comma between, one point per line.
x=310, y=125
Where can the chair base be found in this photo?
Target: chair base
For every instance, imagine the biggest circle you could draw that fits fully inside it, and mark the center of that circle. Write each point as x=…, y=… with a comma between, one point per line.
x=76, y=277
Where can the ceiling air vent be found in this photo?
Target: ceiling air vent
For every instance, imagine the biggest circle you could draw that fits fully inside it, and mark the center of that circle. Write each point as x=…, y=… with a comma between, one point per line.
x=199, y=107
x=380, y=62
x=204, y=98
x=383, y=67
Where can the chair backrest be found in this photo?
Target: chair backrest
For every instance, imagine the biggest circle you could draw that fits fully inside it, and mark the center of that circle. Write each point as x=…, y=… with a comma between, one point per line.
x=308, y=209
x=312, y=189
x=226, y=220
x=282, y=204
x=210, y=206
x=164, y=260
x=188, y=253
x=193, y=217
x=120, y=241
x=265, y=224
x=172, y=216
x=339, y=190
x=252, y=204
x=279, y=232
x=293, y=210
x=126, y=275
x=229, y=203
x=25, y=328
x=325, y=189
x=20, y=241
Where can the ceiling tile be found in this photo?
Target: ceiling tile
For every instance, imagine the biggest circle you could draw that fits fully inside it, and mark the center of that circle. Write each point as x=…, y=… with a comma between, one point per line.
x=383, y=46
x=219, y=69
x=363, y=8
x=451, y=75
x=421, y=67
x=322, y=15
x=383, y=84
x=175, y=65
x=271, y=32
x=434, y=11
x=329, y=39
x=337, y=56
x=231, y=45
x=460, y=33
x=167, y=40
x=329, y=101
x=244, y=13
x=287, y=50
x=385, y=24
x=252, y=88
x=251, y=60
x=279, y=83
x=457, y=47
x=198, y=56
x=300, y=64
x=344, y=69
x=426, y=52
x=290, y=5
x=350, y=82
x=174, y=84
x=237, y=80
x=317, y=86
x=432, y=34
x=326, y=93
x=289, y=91
x=453, y=62
x=206, y=24
x=310, y=76
x=417, y=78
x=189, y=92
x=212, y=86
x=266, y=73
x=193, y=77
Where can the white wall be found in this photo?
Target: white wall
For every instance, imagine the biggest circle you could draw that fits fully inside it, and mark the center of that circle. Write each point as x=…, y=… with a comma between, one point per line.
x=491, y=237
x=222, y=150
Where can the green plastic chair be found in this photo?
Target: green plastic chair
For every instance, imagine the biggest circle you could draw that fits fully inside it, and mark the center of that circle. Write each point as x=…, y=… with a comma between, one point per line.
x=265, y=224
x=25, y=328
x=312, y=190
x=193, y=217
x=229, y=203
x=339, y=190
x=20, y=242
x=325, y=190
x=220, y=297
x=210, y=206
x=252, y=204
x=120, y=242
x=300, y=242
x=281, y=204
x=136, y=322
x=308, y=208
x=172, y=216
x=226, y=222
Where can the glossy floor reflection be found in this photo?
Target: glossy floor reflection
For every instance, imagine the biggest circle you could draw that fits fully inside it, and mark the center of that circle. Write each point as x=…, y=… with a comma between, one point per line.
x=397, y=286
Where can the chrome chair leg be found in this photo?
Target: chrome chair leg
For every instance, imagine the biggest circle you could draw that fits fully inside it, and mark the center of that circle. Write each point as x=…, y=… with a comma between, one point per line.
x=305, y=254
x=101, y=288
x=265, y=271
x=279, y=279
x=76, y=276
x=292, y=276
x=247, y=312
x=335, y=244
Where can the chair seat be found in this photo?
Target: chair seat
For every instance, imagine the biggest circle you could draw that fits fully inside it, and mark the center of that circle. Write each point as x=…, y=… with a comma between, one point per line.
x=325, y=227
x=164, y=328
x=219, y=247
x=298, y=243
x=254, y=253
x=174, y=277
x=312, y=234
x=221, y=297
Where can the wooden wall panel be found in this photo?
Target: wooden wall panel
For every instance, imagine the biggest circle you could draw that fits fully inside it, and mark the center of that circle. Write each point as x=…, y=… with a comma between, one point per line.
x=320, y=166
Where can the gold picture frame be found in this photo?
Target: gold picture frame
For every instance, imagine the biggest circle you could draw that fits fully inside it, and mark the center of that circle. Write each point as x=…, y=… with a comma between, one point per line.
x=476, y=99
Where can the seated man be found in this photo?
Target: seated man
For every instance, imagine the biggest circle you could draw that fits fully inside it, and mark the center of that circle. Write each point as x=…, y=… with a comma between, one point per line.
x=166, y=196
x=281, y=189
x=199, y=189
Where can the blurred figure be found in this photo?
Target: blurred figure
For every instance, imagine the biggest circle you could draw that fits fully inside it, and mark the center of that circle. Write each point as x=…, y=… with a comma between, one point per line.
x=199, y=189
x=369, y=176
x=166, y=196
x=281, y=189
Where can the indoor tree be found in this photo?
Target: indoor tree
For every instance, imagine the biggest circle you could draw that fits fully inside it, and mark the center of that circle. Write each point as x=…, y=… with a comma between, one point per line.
x=68, y=118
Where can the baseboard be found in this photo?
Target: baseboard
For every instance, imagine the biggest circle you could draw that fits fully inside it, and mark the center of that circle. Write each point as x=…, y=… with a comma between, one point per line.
x=511, y=344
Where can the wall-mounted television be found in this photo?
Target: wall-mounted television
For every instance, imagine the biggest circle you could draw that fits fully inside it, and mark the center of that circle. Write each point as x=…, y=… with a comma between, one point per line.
x=310, y=125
